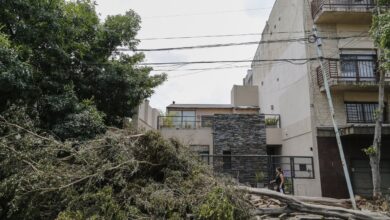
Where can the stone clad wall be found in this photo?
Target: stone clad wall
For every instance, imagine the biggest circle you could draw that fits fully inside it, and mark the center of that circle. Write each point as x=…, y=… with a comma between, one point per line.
x=241, y=135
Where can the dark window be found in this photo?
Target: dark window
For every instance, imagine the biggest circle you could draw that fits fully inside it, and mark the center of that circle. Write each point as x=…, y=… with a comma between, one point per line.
x=362, y=112
x=227, y=160
x=302, y=167
x=358, y=67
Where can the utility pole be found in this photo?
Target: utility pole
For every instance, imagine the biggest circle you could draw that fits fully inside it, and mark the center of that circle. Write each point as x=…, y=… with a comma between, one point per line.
x=332, y=113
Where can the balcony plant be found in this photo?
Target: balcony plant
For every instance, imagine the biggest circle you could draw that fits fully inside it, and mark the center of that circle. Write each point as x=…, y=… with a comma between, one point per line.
x=167, y=120
x=271, y=122
x=259, y=177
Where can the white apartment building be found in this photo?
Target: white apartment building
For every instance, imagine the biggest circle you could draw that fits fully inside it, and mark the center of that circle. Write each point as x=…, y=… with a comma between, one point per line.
x=295, y=90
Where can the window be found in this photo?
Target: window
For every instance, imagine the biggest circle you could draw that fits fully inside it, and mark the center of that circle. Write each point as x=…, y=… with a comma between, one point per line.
x=302, y=167
x=183, y=119
x=358, y=67
x=227, y=160
x=361, y=112
x=207, y=121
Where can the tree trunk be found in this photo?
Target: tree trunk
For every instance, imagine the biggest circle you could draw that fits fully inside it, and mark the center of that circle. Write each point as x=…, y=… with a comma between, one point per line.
x=375, y=156
x=330, y=211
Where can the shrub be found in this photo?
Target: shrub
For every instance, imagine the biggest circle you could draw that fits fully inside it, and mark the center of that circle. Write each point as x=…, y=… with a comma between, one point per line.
x=271, y=121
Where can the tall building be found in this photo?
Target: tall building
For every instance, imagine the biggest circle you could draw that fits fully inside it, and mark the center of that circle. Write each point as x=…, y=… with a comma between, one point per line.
x=295, y=90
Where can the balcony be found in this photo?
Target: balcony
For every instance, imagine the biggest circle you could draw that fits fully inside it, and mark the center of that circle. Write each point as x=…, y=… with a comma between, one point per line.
x=350, y=74
x=184, y=122
x=273, y=129
x=342, y=11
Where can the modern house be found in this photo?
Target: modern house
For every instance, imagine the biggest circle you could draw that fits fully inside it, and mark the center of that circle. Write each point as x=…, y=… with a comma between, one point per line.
x=295, y=90
x=234, y=138
x=193, y=123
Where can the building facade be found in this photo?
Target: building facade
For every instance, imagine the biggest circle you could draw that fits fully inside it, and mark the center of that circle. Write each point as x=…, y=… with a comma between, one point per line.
x=234, y=138
x=295, y=89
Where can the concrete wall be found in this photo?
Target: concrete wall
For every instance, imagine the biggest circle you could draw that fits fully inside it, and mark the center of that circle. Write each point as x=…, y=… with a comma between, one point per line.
x=146, y=117
x=245, y=95
x=284, y=88
x=201, y=136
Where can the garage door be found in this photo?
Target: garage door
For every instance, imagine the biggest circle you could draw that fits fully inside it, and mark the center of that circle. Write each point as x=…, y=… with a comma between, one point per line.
x=362, y=180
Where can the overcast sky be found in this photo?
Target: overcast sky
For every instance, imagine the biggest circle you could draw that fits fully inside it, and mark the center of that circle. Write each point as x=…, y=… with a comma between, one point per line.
x=177, y=18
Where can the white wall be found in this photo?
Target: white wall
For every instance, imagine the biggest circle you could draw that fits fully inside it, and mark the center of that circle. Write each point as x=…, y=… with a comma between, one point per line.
x=286, y=87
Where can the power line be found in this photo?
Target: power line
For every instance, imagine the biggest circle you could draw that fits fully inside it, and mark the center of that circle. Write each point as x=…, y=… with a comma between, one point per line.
x=197, y=69
x=230, y=35
x=292, y=61
x=212, y=45
x=206, y=13
x=230, y=44
x=218, y=35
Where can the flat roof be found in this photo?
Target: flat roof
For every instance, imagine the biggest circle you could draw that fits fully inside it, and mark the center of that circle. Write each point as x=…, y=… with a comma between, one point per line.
x=208, y=106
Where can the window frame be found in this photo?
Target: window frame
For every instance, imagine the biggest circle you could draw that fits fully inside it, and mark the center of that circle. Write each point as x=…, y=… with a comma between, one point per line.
x=364, y=113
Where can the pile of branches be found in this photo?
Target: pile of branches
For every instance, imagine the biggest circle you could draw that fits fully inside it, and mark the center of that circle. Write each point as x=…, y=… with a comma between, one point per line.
x=270, y=204
x=118, y=175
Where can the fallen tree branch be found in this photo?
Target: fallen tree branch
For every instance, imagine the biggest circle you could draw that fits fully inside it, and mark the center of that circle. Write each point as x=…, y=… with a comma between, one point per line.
x=271, y=211
x=295, y=204
x=26, y=130
x=345, y=203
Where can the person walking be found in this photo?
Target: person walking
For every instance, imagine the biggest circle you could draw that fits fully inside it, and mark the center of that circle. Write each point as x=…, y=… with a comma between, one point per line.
x=279, y=180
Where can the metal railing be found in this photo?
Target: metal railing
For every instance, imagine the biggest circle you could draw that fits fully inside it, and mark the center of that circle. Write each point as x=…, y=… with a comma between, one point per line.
x=349, y=70
x=255, y=169
x=318, y=5
x=272, y=121
x=179, y=122
x=192, y=122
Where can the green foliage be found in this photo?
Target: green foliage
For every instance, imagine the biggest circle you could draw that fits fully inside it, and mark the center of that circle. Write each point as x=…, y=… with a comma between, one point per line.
x=380, y=32
x=217, y=206
x=288, y=185
x=115, y=176
x=86, y=124
x=15, y=76
x=271, y=121
x=370, y=151
x=54, y=54
x=259, y=176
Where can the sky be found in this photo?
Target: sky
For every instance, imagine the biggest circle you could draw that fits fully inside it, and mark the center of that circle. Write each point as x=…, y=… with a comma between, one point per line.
x=182, y=18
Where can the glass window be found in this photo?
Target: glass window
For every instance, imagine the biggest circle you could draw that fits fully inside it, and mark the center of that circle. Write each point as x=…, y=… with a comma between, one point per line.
x=361, y=112
x=189, y=120
x=183, y=119
x=358, y=67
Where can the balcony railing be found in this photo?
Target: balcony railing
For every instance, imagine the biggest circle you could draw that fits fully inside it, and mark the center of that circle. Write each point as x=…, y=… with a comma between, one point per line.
x=178, y=122
x=191, y=122
x=349, y=71
x=318, y=5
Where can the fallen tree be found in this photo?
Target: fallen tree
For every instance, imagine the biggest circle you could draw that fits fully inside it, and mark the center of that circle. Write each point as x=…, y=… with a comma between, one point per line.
x=296, y=204
x=118, y=175
x=344, y=203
